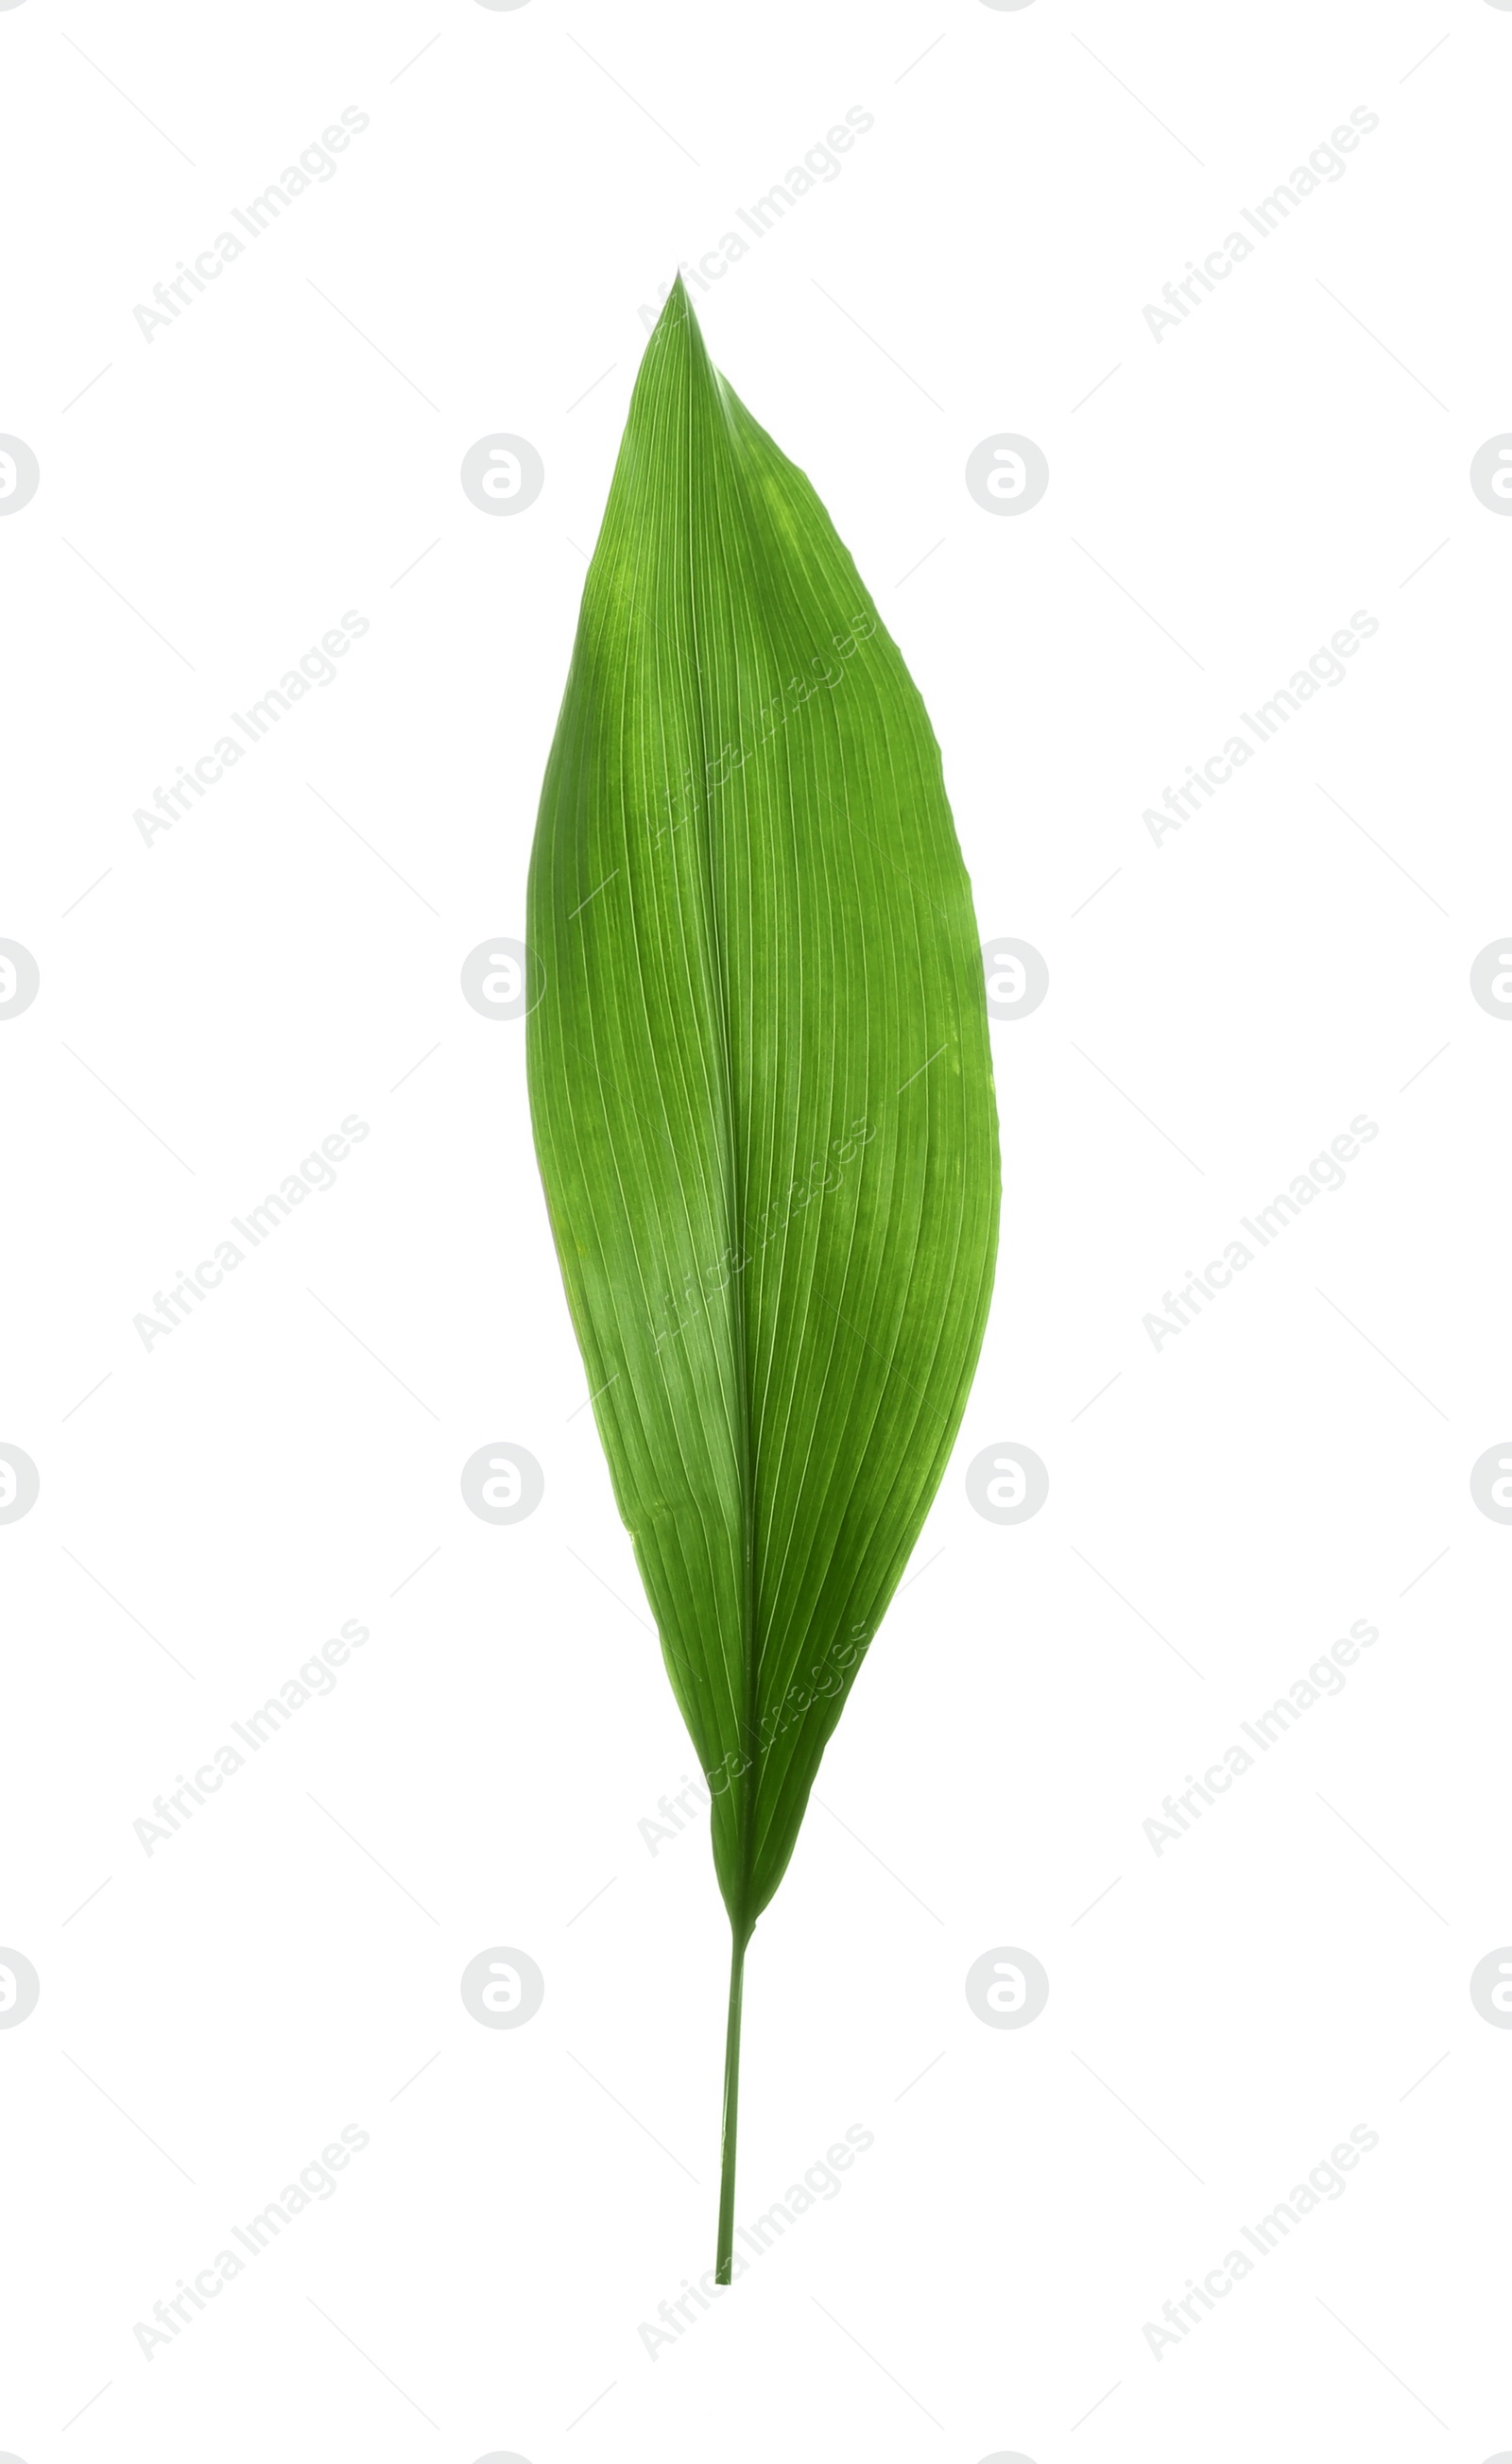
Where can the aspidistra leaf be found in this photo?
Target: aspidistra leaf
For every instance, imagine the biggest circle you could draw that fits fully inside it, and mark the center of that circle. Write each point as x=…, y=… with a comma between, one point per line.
x=762, y=1092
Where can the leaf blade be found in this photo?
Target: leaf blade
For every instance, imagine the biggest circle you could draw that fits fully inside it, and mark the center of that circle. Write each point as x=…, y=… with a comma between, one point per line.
x=761, y=1085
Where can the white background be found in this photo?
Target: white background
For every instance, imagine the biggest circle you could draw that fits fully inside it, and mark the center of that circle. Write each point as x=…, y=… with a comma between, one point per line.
x=214, y=1003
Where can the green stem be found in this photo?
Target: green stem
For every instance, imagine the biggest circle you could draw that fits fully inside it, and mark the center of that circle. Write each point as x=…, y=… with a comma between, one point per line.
x=732, y=2082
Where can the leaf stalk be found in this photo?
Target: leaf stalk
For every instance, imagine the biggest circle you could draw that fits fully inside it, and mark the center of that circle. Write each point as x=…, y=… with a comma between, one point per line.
x=725, y=2251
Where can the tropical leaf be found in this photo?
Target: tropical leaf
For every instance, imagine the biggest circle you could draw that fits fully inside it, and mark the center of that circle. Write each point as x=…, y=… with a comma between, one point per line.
x=761, y=1094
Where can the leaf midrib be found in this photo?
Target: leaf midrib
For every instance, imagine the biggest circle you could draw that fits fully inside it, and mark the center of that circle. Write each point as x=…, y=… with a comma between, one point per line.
x=748, y=1711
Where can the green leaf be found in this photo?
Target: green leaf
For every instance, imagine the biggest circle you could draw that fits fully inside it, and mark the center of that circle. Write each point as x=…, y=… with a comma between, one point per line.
x=761, y=1093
